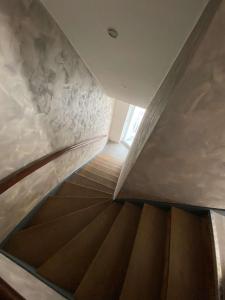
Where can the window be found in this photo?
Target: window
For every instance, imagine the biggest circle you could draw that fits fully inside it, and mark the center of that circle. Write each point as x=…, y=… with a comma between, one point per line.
x=132, y=123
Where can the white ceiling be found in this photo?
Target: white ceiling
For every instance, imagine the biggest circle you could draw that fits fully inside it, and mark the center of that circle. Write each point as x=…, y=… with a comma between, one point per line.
x=151, y=33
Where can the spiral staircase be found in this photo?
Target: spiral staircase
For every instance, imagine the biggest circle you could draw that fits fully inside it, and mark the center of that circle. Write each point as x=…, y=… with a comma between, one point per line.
x=87, y=246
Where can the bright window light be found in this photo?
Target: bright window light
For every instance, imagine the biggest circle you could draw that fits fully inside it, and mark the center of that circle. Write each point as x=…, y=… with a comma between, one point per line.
x=132, y=123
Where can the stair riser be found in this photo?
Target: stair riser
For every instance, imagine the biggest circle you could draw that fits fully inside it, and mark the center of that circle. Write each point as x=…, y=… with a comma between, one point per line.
x=68, y=266
x=57, y=207
x=91, y=184
x=71, y=190
x=105, y=276
x=36, y=244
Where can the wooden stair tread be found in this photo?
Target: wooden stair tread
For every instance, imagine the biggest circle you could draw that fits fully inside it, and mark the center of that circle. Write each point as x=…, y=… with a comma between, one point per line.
x=104, y=278
x=89, y=183
x=100, y=173
x=55, y=207
x=190, y=263
x=108, y=162
x=104, y=181
x=68, y=266
x=109, y=159
x=106, y=165
x=105, y=169
x=148, y=257
x=37, y=243
x=71, y=189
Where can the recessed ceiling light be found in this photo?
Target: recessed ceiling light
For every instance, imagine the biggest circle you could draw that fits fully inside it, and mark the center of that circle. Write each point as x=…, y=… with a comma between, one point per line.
x=113, y=33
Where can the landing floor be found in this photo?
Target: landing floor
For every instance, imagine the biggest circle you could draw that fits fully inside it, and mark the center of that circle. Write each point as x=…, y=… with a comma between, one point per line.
x=119, y=151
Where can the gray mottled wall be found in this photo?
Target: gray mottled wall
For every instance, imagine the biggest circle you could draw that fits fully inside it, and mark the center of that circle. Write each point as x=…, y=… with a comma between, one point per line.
x=48, y=100
x=164, y=95
x=183, y=160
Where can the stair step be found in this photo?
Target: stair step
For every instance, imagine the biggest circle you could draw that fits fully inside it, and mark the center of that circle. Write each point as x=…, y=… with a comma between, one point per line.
x=92, y=176
x=105, y=169
x=68, y=266
x=148, y=257
x=109, y=159
x=112, y=161
x=89, y=183
x=100, y=173
x=56, y=207
x=104, y=278
x=106, y=164
x=191, y=274
x=36, y=244
x=68, y=189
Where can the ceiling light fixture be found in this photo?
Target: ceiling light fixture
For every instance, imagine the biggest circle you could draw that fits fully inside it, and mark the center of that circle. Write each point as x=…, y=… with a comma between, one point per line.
x=113, y=33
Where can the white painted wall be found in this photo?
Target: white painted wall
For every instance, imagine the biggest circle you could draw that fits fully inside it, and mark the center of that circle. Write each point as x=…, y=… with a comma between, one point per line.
x=119, y=117
x=151, y=33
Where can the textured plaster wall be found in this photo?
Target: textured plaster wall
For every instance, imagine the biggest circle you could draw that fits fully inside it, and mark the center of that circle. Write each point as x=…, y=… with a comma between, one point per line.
x=183, y=160
x=163, y=97
x=24, y=283
x=48, y=100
